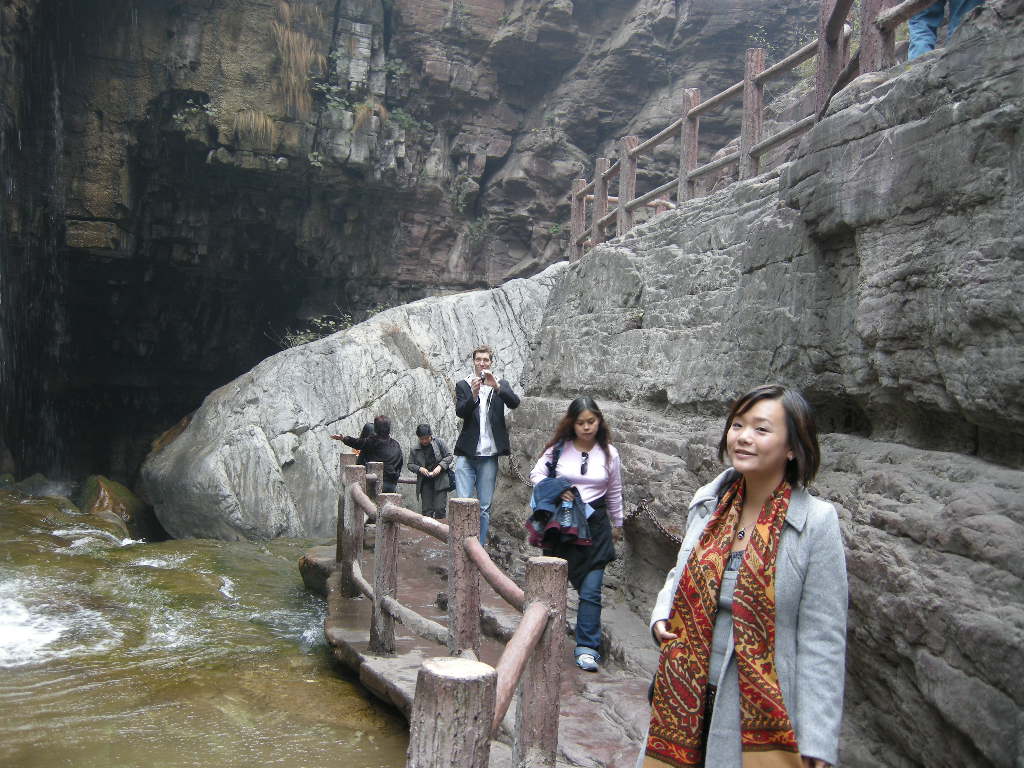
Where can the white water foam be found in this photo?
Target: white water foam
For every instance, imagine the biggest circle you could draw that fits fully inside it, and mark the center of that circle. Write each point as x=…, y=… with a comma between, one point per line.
x=34, y=632
x=227, y=588
x=167, y=561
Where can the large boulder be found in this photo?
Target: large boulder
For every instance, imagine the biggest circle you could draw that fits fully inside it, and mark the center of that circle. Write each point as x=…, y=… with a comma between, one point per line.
x=256, y=460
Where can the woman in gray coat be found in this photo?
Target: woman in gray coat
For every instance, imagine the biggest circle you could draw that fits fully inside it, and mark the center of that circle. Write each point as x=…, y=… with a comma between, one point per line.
x=430, y=461
x=751, y=621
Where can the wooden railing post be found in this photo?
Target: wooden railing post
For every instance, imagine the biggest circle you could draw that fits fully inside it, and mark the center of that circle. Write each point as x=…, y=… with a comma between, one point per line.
x=463, y=577
x=350, y=529
x=753, y=110
x=877, y=45
x=688, y=148
x=385, y=578
x=375, y=468
x=536, y=738
x=577, y=219
x=347, y=460
x=832, y=51
x=627, y=184
x=451, y=716
x=600, y=208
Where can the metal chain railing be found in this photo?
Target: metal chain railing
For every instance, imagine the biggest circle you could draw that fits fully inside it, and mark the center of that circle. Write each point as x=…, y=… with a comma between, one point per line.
x=643, y=509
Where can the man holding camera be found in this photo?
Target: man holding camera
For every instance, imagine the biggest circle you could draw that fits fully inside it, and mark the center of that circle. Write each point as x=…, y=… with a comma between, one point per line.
x=480, y=401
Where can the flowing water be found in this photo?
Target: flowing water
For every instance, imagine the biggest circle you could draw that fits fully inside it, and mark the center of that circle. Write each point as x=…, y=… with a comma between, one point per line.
x=117, y=653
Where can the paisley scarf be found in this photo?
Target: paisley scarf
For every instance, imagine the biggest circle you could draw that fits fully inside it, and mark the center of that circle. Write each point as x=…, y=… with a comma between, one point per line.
x=677, y=714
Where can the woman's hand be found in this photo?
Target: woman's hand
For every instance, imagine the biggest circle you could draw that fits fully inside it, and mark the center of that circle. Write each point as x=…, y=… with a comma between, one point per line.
x=813, y=762
x=424, y=471
x=662, y=635
x=617, y=534
x=337, y=437
x=437, y=471
x=567, y=495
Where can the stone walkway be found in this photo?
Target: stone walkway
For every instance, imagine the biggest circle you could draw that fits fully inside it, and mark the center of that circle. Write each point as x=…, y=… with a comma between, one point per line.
x=603, y=714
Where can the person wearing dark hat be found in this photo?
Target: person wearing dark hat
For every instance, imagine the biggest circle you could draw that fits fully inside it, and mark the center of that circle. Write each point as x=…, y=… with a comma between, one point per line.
x=430, y=461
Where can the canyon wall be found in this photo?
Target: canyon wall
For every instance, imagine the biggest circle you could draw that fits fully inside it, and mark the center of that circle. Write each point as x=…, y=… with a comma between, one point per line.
x=217, y=174
x=878, y=272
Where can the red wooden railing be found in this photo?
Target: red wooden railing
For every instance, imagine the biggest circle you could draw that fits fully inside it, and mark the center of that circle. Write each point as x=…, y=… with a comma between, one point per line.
x=879, y=19
x=459, y=703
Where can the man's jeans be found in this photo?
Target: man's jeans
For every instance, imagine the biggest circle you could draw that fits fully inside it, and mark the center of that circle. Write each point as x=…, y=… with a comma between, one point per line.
x=588, y=616
x=924, y=26
x=475, y=478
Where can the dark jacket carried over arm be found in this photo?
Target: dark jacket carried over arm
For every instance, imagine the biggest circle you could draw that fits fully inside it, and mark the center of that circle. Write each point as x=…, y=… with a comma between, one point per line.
x=467, y=408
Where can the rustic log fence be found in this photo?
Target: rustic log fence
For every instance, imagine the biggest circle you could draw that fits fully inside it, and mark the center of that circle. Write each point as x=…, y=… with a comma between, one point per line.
x=878, y=22
x=460, y=703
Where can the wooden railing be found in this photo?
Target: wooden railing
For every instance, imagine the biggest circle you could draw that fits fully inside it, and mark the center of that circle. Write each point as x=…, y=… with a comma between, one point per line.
x=460, y=702
x=879, y=19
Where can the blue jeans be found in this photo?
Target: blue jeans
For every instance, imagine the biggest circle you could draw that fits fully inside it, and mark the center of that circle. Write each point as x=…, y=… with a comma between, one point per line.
x=588, y=616
x=475, y=478
x=924, y=26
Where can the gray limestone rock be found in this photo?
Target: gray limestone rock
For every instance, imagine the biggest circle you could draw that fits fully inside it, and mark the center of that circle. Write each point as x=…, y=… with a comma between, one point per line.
x=256, y=460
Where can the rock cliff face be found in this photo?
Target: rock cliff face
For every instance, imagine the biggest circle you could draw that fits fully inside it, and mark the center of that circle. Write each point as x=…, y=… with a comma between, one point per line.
x=876, y=272
x=212, y=173
x=256, y=461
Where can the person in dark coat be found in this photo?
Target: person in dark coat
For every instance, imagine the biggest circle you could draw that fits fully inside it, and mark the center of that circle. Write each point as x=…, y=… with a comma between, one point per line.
x=379, y=447
x=430, y=461
x=480, y=401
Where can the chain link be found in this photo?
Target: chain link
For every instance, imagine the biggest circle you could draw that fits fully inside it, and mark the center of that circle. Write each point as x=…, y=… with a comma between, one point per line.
x=643, y=508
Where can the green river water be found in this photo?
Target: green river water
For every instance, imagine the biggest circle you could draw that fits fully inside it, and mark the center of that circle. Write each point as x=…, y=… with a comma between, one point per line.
x=184, y=653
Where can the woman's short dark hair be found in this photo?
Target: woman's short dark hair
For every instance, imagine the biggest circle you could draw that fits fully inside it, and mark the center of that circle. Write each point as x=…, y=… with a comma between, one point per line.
x=367, y=430
x=800, y=428
x=423, y=430
x=382, y=426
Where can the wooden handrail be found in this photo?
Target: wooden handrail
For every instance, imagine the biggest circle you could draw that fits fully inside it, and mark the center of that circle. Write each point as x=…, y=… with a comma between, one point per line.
x=507, y=589
x=788, y=63
x=772, y=141
x=714, y=101
x=360, y=498
x=647, y=197
x=661, y=136
x=584, y=235
x=891, y=17
x=361, y=582
x=420, y=625
x=513, y=659
x=613, y=169
x=721, y=162
x=588, y=189
x=427, y=525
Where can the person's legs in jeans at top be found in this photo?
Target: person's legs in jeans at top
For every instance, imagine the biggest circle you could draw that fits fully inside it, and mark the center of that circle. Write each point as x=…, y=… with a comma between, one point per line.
x=588, y=621
x=957, y=10
x=475, y=477
x=924, y=29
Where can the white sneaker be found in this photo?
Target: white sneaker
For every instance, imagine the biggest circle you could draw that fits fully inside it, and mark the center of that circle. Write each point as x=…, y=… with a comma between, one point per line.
x=587, y=662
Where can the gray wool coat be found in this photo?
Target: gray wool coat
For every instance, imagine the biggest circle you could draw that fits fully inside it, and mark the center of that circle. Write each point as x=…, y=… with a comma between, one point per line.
x=810, y=626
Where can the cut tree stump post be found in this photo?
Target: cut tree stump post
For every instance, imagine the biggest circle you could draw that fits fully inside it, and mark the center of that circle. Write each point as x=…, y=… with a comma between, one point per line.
x=600, y=200
x=451, y=716
x=832, y=52
x=375, y=468
x=536, y=737
x=753, y=110
x=877, y=46
x=350, y=529
x=385, y=578
x=627, y=184
x=688, y=148
x=463, y=578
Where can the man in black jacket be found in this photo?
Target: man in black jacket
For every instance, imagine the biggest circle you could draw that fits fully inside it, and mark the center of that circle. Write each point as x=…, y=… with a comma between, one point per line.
x=379, y=447
x=480, y=401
